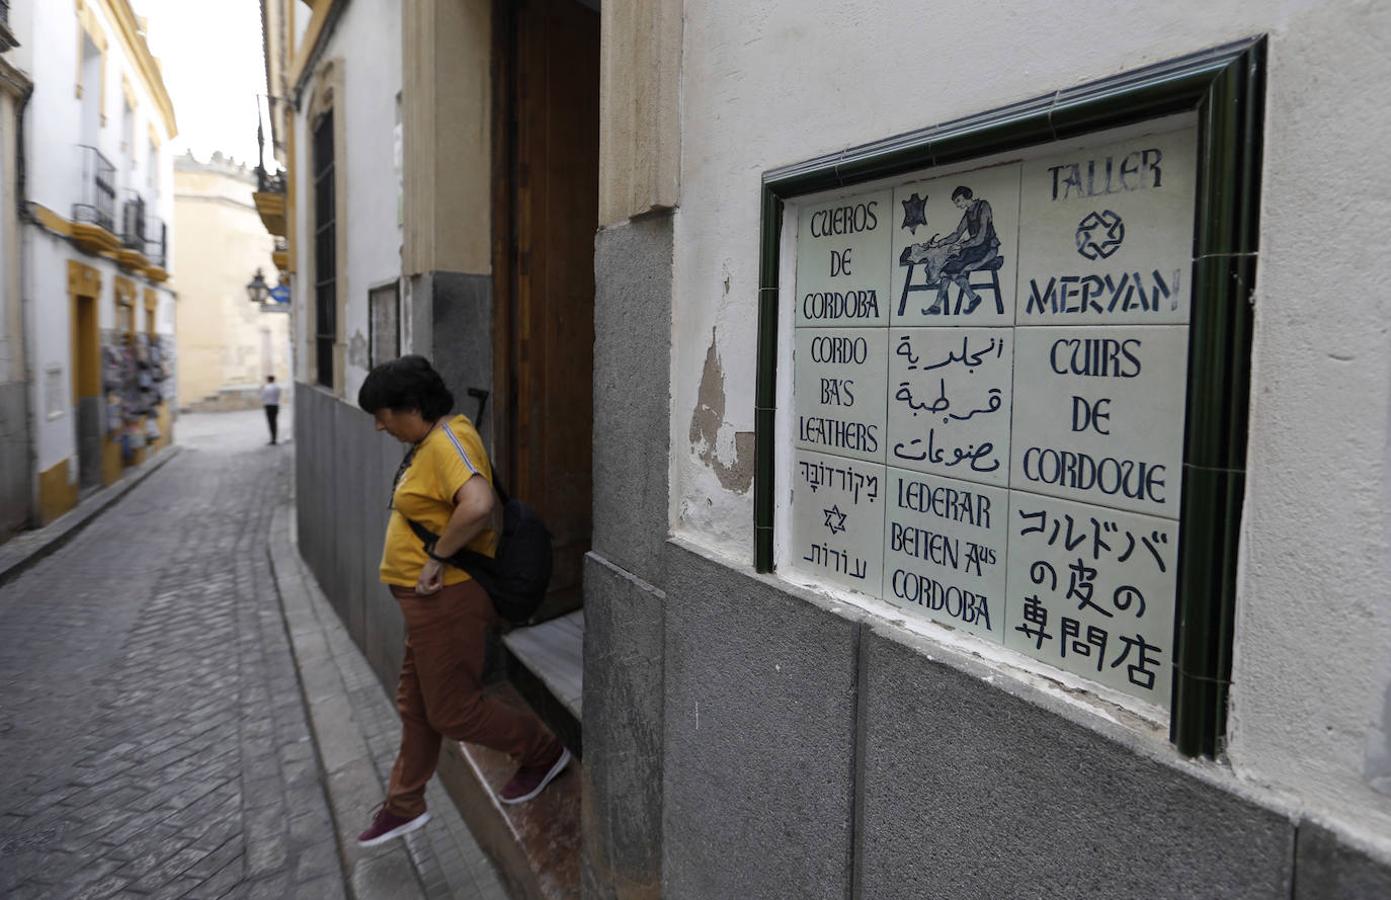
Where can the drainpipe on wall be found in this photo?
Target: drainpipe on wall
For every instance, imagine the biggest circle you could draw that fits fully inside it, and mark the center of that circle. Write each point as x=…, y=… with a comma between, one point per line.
x=24, y=218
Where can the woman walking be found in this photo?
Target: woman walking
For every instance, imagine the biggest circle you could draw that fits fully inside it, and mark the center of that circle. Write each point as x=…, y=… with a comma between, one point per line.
x=445, y=483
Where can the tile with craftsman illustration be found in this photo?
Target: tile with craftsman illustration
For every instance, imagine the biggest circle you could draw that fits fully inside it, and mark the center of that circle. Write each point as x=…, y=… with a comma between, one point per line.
x=843, y=262
x=1091, y=590
x=944, y=551
x=955, y=248
x=949, y=402
x=839, y=382
x=1098, y=415
x=1107, y=233
x=838, y=520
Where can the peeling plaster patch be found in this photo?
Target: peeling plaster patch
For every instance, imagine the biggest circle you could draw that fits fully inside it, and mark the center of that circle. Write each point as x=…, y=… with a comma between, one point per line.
x=357, y=350
x=708, y=419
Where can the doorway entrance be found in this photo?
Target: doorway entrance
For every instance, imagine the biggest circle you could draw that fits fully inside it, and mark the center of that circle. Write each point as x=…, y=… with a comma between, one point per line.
x=86, y=390
x=545, y=212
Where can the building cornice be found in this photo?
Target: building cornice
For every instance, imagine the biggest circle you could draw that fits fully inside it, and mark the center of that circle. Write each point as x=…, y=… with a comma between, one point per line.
x=13, y=81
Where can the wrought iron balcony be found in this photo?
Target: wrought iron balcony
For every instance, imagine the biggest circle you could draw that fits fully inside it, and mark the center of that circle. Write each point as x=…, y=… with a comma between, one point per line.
x=267, y=183
x=98, y=190
x=133, y=222
x=156, y=242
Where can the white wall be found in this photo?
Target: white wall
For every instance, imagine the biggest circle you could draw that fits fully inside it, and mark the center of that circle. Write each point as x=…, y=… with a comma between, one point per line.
x=367, y=41
x=54, y=180
x=772, y=82
x=54, y=119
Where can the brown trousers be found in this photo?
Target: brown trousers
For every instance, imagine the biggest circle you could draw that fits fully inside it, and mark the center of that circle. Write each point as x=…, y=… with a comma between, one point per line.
x=440, y=693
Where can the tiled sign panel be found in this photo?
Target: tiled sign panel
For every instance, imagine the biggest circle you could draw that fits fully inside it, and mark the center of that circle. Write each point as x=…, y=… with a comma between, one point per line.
x=989, y=384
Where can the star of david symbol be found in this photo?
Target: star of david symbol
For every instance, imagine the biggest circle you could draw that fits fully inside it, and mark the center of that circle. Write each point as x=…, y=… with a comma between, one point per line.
x=913, y=213
x=1100, y=234
x=835, y=519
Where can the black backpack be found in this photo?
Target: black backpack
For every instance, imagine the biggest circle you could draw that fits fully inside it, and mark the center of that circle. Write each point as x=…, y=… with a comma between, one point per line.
x=517, y=578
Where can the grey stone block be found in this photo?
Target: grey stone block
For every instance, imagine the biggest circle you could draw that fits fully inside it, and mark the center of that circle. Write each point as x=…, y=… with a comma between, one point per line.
x=1330, y=868
x=970, y=790
x=462, y=337
x=15, y=474
x=622, y=805
x=759, y=736
x=632, y=377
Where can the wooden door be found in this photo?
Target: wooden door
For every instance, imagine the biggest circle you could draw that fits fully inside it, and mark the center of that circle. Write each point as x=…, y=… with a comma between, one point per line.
x=547, y=215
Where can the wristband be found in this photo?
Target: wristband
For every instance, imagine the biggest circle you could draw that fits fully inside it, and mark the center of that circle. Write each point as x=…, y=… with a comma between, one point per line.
x=430, y=552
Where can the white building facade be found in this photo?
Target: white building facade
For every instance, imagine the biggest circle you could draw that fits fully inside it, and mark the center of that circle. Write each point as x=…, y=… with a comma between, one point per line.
x=97, y=196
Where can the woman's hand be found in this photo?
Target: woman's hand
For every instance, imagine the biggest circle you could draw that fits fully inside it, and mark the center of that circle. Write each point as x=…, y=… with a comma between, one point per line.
x=431, y=577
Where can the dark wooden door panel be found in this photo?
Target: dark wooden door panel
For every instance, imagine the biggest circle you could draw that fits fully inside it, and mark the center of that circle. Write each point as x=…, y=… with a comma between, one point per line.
x=556, y=213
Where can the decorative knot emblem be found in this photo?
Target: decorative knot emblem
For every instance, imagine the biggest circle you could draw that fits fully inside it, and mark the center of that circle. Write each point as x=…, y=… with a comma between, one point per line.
x=1100, y=234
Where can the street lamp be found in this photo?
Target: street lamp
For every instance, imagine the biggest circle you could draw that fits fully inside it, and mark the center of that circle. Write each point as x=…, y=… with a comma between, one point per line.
x=257, y=291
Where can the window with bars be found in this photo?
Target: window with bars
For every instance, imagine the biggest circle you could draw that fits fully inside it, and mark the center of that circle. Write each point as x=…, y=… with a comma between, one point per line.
x=325, y=252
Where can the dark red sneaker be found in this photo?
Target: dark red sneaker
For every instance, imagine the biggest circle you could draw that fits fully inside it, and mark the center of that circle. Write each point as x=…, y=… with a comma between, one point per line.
x=387, y=825
x=532, y=780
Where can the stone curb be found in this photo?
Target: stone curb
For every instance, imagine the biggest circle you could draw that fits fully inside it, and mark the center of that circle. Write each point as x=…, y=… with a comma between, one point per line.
x=27, y=548
x=350, y=778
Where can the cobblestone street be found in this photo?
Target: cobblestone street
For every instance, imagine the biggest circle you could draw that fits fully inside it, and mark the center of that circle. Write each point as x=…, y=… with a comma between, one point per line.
x=153, y=737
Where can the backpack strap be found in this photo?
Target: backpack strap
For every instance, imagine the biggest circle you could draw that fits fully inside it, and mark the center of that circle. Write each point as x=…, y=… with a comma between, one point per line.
x=466, y=559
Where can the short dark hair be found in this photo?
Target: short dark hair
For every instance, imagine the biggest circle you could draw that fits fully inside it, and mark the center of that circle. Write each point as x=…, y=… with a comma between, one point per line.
x=405, y=384
x=962, y=191
x=270, y=378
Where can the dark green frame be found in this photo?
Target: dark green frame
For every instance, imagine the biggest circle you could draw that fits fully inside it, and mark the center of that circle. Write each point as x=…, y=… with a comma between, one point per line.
x=1226, y=87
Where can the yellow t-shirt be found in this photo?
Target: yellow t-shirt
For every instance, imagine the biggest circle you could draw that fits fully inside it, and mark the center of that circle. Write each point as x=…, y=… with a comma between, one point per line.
x=448, y=457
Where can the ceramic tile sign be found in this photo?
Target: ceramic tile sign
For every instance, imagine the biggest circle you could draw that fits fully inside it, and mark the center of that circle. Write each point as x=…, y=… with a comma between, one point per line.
x=838, y=511
x=842, y=262
x=955, y=249
x=1107, y=234
x=839, y=383
x=949, y=402
x=1091, y=591
x=944, y=551
x=1098, y=415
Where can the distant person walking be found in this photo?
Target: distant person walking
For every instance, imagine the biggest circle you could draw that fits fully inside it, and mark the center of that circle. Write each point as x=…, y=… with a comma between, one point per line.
x=445, y=483
x=270, y=399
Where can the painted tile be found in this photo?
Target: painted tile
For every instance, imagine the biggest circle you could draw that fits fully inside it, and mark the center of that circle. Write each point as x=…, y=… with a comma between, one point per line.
x=944, y=551
x=843, y=262
x=929, y=265
x=1098, y=415
x=839, y=385
x=838, y=516
x=1091, y=590
x=1107, y=233
x=949, y=410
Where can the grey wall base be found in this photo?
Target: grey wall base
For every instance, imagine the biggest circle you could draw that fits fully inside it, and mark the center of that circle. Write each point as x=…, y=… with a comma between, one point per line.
x=813, y=751
x=624, y=609
x=343, y=473
x=622, y=803
x=16, y=471
x=460, y=340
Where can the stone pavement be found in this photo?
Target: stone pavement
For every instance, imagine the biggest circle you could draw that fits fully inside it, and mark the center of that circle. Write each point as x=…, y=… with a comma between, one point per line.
x=154, y=740
x=356, y=726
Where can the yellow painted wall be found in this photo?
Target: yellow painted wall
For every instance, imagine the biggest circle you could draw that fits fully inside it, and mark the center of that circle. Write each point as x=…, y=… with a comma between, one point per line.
x=57, y=492
x=110, y=461
x=221, y=345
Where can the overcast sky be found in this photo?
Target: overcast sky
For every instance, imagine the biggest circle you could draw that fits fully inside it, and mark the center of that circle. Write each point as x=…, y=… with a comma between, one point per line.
x=210, y=53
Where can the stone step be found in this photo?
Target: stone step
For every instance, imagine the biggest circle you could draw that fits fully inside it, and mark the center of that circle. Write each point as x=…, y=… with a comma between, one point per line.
x=535, y=845
x=545, y=663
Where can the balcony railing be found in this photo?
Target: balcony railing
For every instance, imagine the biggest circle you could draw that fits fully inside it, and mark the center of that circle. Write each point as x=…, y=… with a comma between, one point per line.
x=156, y=242
x=98, y=203
x=143, y=232
x=267, y=183
x=133, y=222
